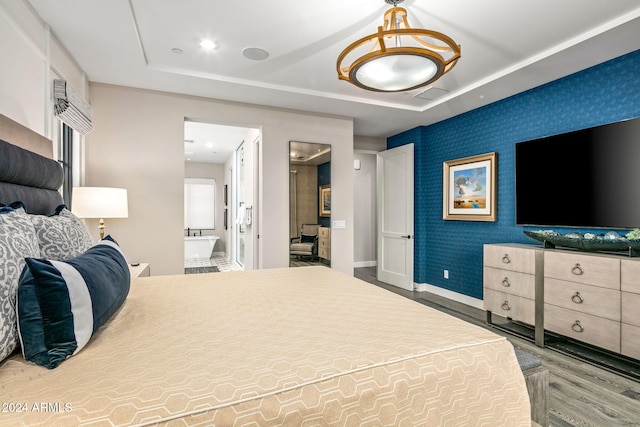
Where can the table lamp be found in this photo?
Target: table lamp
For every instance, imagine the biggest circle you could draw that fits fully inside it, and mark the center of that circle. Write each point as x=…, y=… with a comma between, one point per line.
x=100, y=202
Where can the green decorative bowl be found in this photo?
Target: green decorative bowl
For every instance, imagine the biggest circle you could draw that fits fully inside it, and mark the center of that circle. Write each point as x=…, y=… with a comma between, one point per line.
x=609, y=242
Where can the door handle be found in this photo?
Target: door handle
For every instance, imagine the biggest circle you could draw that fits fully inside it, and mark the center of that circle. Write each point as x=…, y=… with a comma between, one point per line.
x=408, y=236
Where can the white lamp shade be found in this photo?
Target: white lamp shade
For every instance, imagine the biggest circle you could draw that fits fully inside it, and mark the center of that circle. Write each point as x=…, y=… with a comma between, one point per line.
x=100, y=202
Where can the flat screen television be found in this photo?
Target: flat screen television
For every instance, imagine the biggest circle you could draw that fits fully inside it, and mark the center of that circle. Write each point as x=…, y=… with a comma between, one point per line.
x=589, y=178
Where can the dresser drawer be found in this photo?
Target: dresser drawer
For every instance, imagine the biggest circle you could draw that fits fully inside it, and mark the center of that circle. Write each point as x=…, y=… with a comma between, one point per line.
x=510, y=258
x=630, y=275
x=323, y=243
x=601, y=302
x=324, y=232
x=592, y=270
x=594, y=330
x=324, y=253
x=511, y=282
x=507, y=305
x=631, y=308
x=631, y=341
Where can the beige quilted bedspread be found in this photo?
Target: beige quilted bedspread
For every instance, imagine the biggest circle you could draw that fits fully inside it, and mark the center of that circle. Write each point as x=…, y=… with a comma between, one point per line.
x=304, y=346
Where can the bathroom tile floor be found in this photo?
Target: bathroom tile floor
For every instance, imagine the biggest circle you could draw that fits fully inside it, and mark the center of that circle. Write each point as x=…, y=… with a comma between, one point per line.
x=224, y=265
x=215, y=261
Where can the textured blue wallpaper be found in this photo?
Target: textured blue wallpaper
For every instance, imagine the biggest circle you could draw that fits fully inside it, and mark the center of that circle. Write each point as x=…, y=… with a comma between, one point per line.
x=602, y=94
x=324, y=177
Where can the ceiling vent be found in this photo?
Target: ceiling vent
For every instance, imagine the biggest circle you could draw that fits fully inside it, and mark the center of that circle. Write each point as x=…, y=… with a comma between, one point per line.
x=432, y=93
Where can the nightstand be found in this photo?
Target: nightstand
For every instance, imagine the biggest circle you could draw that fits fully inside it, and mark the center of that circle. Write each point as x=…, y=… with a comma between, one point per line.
x=140, y=270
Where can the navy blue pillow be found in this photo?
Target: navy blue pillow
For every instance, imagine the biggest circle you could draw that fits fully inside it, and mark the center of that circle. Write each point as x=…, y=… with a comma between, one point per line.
x=62, y=303
x=12, y=206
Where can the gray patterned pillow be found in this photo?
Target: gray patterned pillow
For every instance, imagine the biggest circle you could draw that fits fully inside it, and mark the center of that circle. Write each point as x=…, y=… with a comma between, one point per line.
x=62, y=235
x=17, y=241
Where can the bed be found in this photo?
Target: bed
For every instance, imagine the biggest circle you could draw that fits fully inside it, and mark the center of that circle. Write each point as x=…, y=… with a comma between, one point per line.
x=290, y=346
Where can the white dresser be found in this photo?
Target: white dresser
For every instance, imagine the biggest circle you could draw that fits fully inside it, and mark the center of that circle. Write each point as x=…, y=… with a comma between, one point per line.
x=511, y=277
x=324, y=243
x=582, y=297
x=589, y=297
x=630, y=316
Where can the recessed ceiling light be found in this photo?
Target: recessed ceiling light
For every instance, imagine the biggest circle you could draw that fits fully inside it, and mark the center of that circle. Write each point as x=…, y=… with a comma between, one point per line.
x=208, y=44
x=255, y=53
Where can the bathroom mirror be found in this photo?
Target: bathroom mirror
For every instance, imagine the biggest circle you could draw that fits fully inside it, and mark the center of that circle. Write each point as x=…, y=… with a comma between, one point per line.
x=309, y=204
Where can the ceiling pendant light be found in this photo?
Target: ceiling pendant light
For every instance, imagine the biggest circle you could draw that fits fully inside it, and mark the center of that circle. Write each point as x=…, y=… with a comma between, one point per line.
x=399, y=58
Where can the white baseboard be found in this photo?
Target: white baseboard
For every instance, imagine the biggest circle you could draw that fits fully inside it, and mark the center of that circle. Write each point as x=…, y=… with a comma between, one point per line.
x=359, y=264
x=464, y=299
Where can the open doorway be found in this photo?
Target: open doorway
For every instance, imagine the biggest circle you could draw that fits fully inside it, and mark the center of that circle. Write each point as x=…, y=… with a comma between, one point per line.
x=219, y=187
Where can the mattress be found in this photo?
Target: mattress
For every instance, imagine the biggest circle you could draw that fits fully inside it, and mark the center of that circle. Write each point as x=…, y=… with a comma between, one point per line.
x=300, y=346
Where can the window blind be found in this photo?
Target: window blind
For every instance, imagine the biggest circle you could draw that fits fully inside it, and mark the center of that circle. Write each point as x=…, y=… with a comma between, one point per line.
x=71, y=108
x=199, y=203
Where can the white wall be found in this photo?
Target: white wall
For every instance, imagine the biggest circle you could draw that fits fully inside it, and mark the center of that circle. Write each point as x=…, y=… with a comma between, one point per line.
x=137, y=143
x=364, y=210
x=369, y=143
x=364, y=199
x=23, y=76
x=31, y=59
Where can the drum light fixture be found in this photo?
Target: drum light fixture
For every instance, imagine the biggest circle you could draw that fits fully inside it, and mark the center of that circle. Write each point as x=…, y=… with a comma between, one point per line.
x=399, y=58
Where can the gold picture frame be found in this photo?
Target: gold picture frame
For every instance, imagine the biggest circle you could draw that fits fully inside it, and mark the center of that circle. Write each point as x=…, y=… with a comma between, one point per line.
x=470, y=188
x=325, y=200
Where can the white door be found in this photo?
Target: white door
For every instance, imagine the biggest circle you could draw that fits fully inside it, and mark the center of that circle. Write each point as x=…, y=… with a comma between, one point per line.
x=255, y=221
x=240, y=206
x=395, y=216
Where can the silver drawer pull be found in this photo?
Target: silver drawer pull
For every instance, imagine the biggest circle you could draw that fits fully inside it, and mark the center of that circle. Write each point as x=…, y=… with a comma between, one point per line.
x=577, y=270
x=506, y=306
x=577, y=298
x=577, y=327
x=506, y=283
x=506, y=259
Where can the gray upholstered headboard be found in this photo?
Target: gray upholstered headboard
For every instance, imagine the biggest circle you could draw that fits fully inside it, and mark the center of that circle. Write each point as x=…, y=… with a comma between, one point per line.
x=28, y=173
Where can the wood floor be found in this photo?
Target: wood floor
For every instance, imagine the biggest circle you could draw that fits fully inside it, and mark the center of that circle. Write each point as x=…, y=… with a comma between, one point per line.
x=295, y=261
x=580, y=394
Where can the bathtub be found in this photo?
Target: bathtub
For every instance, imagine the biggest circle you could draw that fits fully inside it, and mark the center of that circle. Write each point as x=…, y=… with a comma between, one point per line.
x=199, y=247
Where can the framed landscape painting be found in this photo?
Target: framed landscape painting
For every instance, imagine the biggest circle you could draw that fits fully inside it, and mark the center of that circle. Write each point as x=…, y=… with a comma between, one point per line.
x=469, y=188
x=325, y=201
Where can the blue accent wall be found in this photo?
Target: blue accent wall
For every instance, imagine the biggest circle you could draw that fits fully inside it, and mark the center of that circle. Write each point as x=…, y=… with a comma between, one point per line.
x=324, y=177
x=606, y=93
